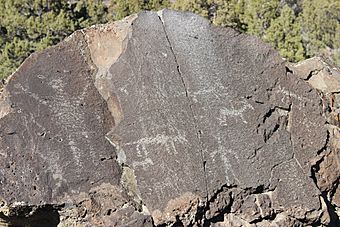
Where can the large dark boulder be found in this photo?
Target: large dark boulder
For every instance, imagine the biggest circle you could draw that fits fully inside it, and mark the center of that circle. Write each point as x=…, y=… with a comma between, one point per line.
x=162, y=118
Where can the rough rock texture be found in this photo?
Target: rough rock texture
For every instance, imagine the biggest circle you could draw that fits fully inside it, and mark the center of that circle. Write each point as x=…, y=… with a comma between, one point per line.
x=326, y=168
x=163, y=119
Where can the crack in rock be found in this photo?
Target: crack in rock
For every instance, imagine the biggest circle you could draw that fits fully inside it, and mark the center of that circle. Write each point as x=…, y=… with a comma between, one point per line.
x=197, y=130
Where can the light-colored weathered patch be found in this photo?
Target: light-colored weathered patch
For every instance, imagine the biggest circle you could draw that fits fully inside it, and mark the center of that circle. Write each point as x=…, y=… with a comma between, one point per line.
x=129, y=182
x=106, y=44
x=5, y=105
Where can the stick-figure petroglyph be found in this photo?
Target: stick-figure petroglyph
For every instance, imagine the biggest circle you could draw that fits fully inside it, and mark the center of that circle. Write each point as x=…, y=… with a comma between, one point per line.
x=232, y=112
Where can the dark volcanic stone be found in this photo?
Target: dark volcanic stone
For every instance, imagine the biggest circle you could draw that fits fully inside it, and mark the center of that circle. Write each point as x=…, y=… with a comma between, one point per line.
x=162, y=114
x=53, y=140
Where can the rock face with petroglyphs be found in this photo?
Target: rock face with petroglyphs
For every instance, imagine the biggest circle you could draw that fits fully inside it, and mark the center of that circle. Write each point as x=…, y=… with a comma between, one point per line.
x=163, y=119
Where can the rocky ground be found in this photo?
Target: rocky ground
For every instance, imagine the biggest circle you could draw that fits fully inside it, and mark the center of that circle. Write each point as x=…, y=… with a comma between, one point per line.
x=162, y=119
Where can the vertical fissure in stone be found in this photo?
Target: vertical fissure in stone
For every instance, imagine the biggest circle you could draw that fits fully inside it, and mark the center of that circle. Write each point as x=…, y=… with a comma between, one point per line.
x=197, y=131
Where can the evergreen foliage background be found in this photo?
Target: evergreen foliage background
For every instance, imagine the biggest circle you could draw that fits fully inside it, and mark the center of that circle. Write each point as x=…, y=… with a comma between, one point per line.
x=297, y=28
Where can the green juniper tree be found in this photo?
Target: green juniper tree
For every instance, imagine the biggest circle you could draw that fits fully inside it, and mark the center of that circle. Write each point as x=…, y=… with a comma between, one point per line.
x=320, y=25
x=258, y=15
x=196, y=6
x=284, y=33
x=228, y=13
x=89, y=12
x=123, y=8
x=32, y=25
x=27, y=26
x=297, y=28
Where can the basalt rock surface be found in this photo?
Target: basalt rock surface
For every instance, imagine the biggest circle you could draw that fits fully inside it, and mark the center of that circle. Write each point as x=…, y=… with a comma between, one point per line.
x=163, y=119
